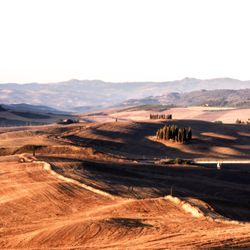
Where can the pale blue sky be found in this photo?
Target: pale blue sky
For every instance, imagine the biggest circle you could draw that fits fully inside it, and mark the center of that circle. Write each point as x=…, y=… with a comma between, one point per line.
x=123, y=40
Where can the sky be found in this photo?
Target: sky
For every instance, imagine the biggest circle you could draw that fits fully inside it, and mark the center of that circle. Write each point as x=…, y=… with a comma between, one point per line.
x=123, y=40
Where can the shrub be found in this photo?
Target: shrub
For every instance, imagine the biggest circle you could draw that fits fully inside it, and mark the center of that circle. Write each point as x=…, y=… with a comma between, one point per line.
x=30, y=148
x=178, y=161
x=238, y=121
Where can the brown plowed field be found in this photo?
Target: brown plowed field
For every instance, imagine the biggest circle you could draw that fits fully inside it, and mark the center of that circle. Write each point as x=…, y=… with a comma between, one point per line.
x=66, y=207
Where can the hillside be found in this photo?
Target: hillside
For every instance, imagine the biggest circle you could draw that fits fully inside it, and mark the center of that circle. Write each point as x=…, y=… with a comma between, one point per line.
x=24, y=107
x=86, y=95
x=100, y=186
x=219, y=97
x=27, y=115
x=142, y=113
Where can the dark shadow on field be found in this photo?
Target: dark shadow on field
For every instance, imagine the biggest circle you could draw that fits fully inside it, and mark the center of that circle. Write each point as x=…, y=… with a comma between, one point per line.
x=228, y=191
x=232, y=137
x=131, y=140
x=128, y=222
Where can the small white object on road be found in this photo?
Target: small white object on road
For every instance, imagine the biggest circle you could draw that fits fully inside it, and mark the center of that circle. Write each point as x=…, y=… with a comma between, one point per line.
x=218, y=166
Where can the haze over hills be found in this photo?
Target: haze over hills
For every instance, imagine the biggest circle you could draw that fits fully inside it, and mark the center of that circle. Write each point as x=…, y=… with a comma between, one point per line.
x=85, y=95
x=219, y=97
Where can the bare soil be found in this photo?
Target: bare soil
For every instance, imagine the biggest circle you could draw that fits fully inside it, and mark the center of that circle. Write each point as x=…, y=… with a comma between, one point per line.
x=65, y=206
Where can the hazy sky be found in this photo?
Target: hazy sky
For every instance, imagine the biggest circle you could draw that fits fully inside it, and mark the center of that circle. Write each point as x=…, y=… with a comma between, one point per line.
x=123, y=40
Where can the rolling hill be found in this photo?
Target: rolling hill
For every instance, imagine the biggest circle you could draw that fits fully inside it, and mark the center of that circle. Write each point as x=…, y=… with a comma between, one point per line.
x=27, y=115
x=23, y=107
x=219, y=97
x=100, y=186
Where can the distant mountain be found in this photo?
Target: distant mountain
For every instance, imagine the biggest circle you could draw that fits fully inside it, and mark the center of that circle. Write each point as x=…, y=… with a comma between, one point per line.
x=88, y=95
x=220, y=97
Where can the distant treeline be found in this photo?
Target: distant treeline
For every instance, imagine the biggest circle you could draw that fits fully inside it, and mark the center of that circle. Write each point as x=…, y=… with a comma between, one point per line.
x=174, y=133
x=160, y=116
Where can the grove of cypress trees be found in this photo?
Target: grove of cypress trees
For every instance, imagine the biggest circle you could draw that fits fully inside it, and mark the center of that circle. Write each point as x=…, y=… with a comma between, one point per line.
x=174, y=133
x=160, y=116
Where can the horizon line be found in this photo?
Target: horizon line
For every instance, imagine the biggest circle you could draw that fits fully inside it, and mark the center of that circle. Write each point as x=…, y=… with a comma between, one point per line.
x=119, y=82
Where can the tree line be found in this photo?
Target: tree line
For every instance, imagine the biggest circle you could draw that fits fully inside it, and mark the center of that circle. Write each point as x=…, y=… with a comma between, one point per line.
x=160, y=116
x=174, y=133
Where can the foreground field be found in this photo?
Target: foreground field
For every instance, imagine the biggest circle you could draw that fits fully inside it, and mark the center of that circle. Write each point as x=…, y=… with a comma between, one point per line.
x=39, y=210
x=96, y=186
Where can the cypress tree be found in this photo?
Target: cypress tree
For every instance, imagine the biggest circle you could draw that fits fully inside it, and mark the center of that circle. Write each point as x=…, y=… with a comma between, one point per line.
x=164, y=133
x=168, y=133
x=189, y=134
x=161, y=134
x=184, y=134
x=157, y=134
x=179, y=135
x=173, y=132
